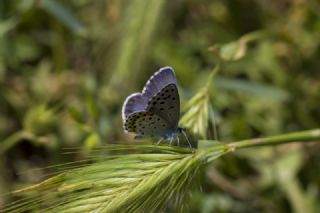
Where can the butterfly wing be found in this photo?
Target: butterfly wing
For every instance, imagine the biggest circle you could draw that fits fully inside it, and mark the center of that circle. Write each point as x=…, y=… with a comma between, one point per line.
x=166, y=104
x=138, y=101
x=146, y=124
x=158, y=81
x=134, y=103
x=155, y=111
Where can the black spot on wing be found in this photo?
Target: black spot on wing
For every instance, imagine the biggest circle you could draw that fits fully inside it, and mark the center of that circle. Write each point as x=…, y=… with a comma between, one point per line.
x=147, y=124
x=166, y=104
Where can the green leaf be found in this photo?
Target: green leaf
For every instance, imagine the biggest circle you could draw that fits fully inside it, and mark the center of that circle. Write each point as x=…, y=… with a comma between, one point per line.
x=92, y=141
x=7, y=25
x=251, y=88
x=233, y=51
x=62, y=13
x=38, y=119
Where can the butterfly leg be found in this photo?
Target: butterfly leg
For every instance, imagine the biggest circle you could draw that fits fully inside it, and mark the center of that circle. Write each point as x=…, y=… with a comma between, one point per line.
x=185, y=135
x=161, y=139
x=178, y=140
x=171, y=141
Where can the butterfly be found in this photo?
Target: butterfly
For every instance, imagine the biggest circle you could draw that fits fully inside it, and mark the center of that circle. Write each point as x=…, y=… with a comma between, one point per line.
x=155, y=112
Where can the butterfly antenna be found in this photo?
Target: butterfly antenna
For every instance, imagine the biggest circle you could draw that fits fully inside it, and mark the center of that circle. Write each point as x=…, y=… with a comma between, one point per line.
x=185, y=135
x=159, y=141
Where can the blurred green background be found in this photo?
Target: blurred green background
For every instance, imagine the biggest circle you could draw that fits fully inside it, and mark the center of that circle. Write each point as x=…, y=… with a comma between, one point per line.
x=67, y=66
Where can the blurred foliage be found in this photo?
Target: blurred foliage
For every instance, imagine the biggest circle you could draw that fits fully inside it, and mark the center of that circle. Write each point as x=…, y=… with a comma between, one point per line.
x=66, y=67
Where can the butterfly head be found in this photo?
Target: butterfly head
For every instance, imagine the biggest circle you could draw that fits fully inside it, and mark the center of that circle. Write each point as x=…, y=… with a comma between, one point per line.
x=180, y=129
x=174, y=133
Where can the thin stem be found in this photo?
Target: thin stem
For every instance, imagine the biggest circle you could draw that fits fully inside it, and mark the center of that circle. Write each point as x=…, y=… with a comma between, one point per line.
x=254, y=36
x=218, y=150
x=215, y=130
x=212, y=75
x=17, y=137
x=303, y=136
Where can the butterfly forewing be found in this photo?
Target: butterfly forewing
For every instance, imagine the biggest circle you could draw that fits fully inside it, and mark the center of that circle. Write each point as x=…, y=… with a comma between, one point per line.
x=166, y=104
x=158, y=81
x=146, y=124
x=137, y=102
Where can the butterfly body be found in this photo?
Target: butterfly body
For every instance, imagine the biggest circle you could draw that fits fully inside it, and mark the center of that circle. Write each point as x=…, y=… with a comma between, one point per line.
x=155, y=111
x=174, y=133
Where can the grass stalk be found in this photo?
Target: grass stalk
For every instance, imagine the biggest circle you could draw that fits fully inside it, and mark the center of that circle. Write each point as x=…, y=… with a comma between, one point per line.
x=151, y=179
x=303, y=136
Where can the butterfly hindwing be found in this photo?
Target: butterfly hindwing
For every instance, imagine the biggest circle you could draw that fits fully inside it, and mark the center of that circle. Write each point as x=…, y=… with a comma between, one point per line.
x=166, y=104
x=146, y=124
x=136, y=102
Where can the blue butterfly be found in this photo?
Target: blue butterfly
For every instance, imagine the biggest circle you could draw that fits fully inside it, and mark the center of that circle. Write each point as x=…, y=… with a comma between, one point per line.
x=156, y=111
